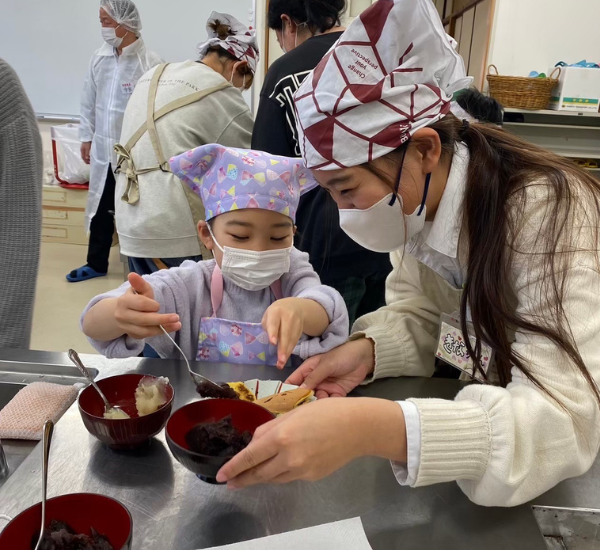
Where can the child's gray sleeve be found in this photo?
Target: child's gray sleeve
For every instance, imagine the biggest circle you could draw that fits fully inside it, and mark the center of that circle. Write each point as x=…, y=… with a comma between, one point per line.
x=303, y=282
x=178, y=290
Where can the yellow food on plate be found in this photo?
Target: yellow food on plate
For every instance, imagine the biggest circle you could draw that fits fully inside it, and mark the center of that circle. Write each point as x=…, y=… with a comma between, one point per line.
x=150, y=395
x=286, y=401
x=243, y=391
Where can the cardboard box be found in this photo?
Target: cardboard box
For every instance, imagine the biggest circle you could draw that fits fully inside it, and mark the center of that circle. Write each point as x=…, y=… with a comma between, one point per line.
x=578, y=89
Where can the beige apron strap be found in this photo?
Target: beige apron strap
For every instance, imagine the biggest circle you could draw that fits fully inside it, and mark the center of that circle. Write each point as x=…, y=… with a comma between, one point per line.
x=150, y=118
x=198, y=214
x=132, y=191
x=174, y=105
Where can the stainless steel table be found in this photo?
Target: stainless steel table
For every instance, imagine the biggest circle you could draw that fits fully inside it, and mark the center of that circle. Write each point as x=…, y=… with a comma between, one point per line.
x=172, y=509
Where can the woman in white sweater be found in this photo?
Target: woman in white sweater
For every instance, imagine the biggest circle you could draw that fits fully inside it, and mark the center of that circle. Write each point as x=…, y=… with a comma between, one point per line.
x=483, y=227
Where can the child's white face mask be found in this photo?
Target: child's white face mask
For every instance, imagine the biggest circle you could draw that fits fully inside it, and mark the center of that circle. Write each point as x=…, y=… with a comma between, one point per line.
x=250, y=269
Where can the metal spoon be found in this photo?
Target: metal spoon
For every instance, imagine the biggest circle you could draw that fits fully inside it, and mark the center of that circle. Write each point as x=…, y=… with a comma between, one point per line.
x=47, y=439
x=75, y=358
x=197, y=378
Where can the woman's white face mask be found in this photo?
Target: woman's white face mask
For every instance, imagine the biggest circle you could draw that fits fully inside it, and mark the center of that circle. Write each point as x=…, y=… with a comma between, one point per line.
x=243, y=87
x=384, y=227
x=282, y=44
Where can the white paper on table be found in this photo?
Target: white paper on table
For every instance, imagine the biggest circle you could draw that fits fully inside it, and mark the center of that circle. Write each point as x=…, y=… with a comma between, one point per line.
x=347, y=534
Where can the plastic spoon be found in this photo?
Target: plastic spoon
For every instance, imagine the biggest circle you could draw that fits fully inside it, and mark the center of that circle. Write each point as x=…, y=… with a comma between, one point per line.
x=47, y=439
x=107, y=406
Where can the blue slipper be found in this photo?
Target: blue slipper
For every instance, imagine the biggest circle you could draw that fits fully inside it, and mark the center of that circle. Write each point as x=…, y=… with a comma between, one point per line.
x=83, y=274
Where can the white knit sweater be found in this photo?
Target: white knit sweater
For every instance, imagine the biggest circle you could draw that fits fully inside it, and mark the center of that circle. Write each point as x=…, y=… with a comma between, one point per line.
x=504, y=446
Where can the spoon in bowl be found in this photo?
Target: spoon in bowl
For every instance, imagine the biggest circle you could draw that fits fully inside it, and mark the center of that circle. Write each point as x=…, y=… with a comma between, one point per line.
x=47, y=439
x=108, y=408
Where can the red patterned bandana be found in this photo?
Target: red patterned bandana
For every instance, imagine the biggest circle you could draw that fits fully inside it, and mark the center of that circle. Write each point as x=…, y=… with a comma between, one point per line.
x=241, y=44
x=391, y=73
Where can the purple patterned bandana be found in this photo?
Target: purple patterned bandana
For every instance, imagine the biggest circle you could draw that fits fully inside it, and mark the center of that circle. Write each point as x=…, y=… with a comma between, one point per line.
x=229, y=179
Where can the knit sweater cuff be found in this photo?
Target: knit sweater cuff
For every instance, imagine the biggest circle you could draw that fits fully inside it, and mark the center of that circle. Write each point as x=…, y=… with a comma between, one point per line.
x=455, y=440
x=389, y=352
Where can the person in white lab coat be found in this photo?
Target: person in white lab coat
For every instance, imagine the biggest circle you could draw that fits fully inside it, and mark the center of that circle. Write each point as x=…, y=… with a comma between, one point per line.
x=113, y=73
x=496, y=269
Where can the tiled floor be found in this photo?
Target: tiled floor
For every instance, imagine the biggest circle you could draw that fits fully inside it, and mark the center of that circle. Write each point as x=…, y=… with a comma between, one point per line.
x=59, y=304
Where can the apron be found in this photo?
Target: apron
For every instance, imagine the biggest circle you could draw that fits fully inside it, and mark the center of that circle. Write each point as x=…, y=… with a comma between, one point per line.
x=225, y=341
x=125, y=162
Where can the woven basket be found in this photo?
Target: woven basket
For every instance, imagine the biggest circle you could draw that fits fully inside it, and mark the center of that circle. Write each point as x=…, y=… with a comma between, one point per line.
x=522, y=92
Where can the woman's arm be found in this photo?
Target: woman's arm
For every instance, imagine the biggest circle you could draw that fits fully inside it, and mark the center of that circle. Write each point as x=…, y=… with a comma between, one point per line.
x=508, y=445
x=316, y=439
x=405, y=331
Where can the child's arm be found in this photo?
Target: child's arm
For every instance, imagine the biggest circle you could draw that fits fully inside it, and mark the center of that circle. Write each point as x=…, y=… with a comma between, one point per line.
x=287, y=319
x=135, y=314
x=119, y=323
x=317, y=318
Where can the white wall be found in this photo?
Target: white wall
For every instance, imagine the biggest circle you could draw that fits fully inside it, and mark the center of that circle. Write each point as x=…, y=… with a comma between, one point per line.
x=533, y=35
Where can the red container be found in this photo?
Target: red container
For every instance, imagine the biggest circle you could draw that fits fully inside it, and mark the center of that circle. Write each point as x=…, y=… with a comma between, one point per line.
x=128, y=433
x=244, y=416
x=81, y=511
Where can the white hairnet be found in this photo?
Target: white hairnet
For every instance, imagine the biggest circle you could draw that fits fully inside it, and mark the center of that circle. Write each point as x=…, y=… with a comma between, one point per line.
x=124, y=13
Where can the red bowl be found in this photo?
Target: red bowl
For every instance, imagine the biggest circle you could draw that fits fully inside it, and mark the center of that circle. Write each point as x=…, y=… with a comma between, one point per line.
x=128, y=433
x=81, y=511
x=244, y=416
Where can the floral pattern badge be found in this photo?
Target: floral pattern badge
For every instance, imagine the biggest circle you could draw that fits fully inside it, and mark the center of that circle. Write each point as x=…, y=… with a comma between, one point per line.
x=453, y=350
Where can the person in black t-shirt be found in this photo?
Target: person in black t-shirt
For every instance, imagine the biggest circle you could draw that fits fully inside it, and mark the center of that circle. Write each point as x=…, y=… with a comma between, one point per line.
x=306, y=30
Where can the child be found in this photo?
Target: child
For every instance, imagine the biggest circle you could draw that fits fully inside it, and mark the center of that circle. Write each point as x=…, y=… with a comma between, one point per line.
x=258, y=301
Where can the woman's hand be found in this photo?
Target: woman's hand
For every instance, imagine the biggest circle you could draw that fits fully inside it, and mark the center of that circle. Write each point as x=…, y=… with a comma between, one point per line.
x=337, y=372
x=318, y=438
x=136, y=313
x=86, y=147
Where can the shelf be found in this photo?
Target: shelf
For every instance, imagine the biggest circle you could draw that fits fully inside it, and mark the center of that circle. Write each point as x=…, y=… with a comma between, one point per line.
x=541, y=124
x=552, y=112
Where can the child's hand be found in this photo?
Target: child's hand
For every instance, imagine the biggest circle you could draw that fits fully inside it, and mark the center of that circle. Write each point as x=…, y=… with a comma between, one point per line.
x=284, y=322
x=136, y=312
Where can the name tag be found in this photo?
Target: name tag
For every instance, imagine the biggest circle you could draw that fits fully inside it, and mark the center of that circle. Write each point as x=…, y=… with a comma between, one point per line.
x=127, y=88
x=453, y=350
